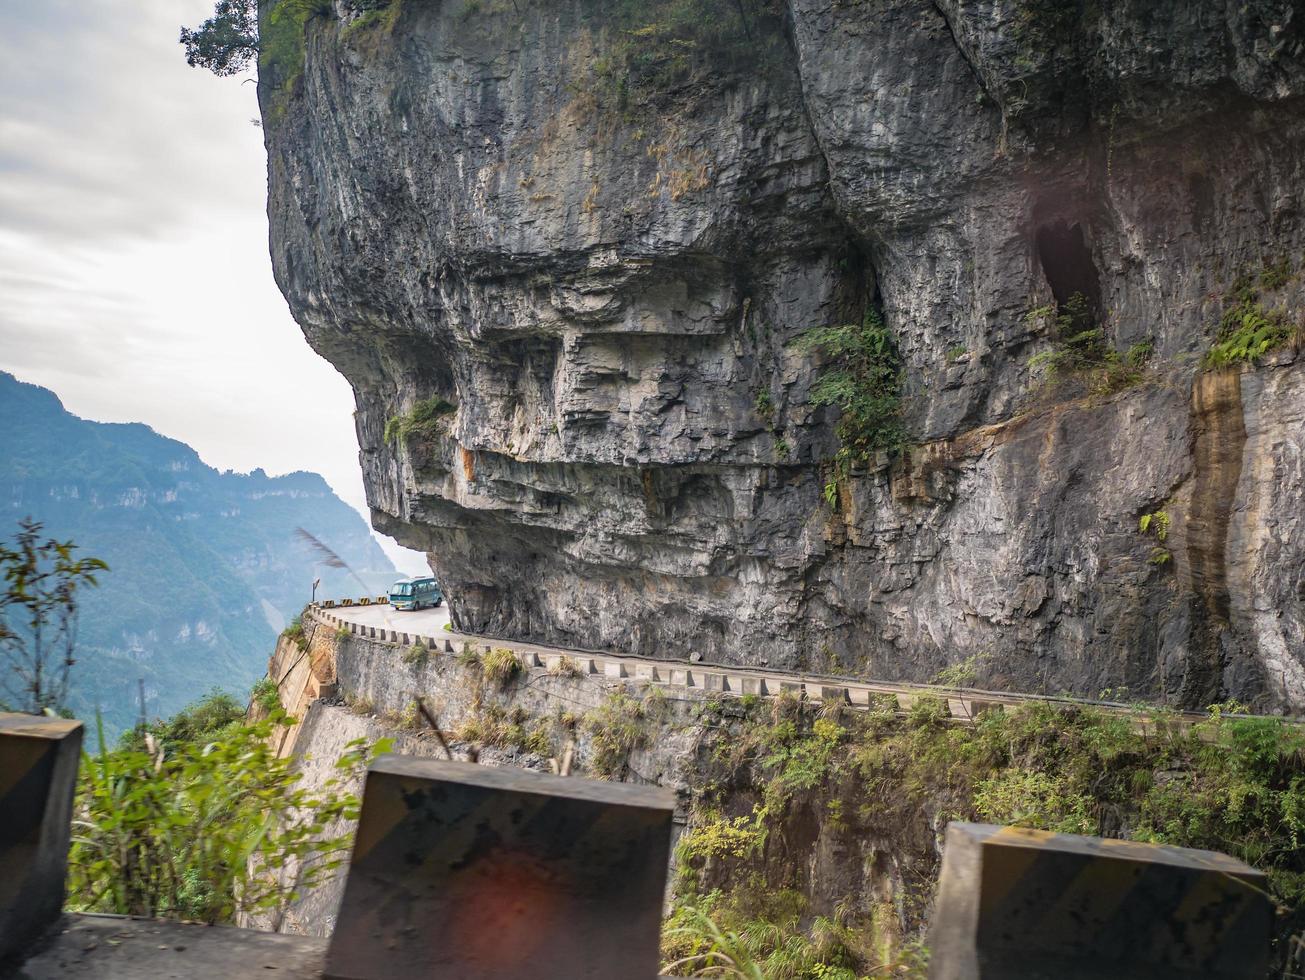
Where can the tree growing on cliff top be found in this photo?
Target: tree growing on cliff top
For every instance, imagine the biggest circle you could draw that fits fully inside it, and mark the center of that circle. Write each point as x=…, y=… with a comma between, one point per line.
x=227, y=42
x=38, y=616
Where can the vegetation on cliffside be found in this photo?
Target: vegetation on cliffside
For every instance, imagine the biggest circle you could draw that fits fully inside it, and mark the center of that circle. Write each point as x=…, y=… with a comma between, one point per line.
x=862, y=379
x=789, y=784
x=197, y=818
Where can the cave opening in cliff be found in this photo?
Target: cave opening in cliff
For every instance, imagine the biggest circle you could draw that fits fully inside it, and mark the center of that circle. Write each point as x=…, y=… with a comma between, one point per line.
x=1067, y=263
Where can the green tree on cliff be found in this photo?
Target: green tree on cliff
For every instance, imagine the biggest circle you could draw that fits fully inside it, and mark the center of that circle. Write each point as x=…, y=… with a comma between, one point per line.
x=227, y=42
x=39, y=578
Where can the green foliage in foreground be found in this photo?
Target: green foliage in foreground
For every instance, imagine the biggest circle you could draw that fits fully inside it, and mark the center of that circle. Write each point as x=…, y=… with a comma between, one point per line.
x=760, y=936
x=1235, y=785
x=422, y=422
x=202, y=820
x=863, y=380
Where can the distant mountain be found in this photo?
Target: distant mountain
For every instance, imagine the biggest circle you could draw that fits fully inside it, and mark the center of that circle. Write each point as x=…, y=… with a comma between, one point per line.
x=205, y=566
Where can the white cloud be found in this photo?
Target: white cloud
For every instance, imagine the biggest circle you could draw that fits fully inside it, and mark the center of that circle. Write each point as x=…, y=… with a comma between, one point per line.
x=134, y=276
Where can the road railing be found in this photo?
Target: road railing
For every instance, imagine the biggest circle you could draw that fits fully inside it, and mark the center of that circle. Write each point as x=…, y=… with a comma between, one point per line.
x=963, y=705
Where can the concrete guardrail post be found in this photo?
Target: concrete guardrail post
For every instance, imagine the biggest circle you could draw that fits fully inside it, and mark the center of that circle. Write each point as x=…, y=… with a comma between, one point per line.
x=481, y=873
x=1021, y=904
x=38, y=776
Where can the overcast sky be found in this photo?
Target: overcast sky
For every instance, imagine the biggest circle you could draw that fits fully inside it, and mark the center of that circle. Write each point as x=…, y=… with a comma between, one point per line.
x=134, y=273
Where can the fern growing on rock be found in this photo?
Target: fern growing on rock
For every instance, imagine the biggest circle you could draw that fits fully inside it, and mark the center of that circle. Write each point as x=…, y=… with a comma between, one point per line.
x=863, y=380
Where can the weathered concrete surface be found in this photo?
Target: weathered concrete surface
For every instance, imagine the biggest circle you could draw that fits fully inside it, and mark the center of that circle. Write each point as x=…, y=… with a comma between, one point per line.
x=38, y=776
x=609, y=300
x=1018, y=904
x=468, y=872
x=115, y=947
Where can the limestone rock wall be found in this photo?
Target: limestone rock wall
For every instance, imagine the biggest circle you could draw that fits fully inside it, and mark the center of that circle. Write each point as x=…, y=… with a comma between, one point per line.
x=465, y=204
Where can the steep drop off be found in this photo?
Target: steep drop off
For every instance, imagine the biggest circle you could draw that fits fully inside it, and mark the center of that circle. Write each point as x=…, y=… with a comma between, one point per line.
x=578, y=239
x=204, y=567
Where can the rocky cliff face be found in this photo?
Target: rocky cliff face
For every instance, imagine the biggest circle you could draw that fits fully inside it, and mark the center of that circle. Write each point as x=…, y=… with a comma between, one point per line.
x=583, y=238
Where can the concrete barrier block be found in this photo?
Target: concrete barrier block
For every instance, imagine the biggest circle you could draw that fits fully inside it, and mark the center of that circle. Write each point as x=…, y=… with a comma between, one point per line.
x=586, y=665
x=614, y=668
x=648, y=672
x=834, y=694
x=1020, y=904
x=448, y=646
x=480, y=873
x=860, y=696
x=531, y=659
x=754, y=685
x=38, y=775
x=904, y=700
x=959, y=708
x=681, y=677
x=712, y=681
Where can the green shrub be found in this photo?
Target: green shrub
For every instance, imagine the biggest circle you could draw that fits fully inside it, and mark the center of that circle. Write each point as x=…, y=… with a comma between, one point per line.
x=1081, y=349
x=716, y=836
x=500, y=666
x=862, y=381
x=416, y=656
x=342, y=634
x=204, y=831
x=616, y=728
x=209, y=718
x=1248, y=332
x=494, y=725
x=377, y=18
x=295, y=632
x=266, y=695
x=469, y=657
x=764, y=938
x=564, y=667
x=423, y=422
x=1157, y=524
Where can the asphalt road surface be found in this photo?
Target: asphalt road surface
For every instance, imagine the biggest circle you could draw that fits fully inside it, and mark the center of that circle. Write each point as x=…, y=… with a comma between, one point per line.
x=424, y=622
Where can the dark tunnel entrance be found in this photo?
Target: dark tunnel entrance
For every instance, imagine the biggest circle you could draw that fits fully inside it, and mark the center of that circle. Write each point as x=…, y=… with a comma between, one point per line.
x=1068, y=266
